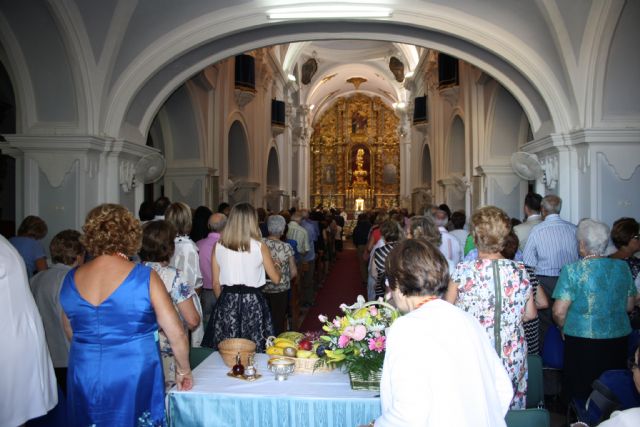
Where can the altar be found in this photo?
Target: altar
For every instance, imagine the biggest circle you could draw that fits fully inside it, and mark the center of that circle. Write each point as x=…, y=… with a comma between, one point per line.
x=355, y=157
x=320, y=399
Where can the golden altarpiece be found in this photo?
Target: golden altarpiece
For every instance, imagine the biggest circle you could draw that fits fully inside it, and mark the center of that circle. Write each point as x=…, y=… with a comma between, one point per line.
x=355, y=156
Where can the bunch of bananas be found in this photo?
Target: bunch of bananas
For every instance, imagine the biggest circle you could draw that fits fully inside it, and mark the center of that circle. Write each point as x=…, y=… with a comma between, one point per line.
x=277, y=346
x=286, y=344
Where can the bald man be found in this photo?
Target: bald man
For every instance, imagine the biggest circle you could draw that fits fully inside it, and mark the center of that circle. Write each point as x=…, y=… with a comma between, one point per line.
x=205, y=247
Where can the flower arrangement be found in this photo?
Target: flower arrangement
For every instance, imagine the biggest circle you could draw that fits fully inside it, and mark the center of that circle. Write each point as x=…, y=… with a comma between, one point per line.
x=357, y=339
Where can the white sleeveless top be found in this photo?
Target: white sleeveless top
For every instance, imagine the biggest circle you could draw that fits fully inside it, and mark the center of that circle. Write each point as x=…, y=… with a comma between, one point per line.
x=241, y=268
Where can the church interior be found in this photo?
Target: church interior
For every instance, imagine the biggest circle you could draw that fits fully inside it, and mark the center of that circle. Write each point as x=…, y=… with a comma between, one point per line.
x=205, y=102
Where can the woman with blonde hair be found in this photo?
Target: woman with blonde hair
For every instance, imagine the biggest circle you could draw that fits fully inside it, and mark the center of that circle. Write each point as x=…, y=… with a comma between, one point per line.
x=113, y=309
x=238, y=265
x=497, y=292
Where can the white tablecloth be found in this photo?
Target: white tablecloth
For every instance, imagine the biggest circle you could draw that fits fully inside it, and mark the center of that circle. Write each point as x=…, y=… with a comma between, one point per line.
x=322, y=399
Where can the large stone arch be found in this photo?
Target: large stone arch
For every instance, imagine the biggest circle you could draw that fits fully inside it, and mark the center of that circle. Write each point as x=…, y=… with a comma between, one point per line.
x=144, y=85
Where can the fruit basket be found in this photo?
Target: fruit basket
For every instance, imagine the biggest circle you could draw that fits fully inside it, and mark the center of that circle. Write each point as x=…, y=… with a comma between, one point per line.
x=293, y=345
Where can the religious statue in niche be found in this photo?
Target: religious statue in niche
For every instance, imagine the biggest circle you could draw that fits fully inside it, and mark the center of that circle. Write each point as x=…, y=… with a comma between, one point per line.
x=330, y=174
x=358, y=123
x=360, y=166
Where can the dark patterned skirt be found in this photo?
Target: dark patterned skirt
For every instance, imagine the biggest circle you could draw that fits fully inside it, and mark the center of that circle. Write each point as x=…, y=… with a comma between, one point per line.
x=240, y=312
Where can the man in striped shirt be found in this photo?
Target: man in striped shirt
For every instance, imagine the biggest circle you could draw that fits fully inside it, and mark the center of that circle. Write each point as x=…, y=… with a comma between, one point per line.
x=551, y=245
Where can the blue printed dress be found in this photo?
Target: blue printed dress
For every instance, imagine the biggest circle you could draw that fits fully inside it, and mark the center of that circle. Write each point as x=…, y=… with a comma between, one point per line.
x=115, y=373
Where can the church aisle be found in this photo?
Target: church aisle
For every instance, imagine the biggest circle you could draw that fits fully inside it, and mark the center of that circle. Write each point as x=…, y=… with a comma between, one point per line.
x=342, y=285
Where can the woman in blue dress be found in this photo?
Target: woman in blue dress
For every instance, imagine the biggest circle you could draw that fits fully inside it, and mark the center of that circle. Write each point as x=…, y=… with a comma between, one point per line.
x=112, y=311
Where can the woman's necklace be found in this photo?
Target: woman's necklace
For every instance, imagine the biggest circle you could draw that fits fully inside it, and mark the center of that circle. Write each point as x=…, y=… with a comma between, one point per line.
x=425, y=300
x=121, y=255
x=590, y=256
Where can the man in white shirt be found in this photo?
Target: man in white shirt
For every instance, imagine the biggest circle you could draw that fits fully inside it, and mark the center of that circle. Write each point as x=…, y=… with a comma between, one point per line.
x=532, y=212
x=449, y=247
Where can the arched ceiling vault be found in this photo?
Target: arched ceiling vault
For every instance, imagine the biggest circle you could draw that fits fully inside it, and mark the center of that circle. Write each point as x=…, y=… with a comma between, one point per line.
x=152, y=82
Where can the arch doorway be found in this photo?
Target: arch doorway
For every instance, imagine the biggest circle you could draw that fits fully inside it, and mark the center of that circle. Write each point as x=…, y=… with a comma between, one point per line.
x=238, y=164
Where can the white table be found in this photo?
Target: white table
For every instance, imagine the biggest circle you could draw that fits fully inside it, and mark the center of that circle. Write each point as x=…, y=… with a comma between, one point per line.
x=305, y=400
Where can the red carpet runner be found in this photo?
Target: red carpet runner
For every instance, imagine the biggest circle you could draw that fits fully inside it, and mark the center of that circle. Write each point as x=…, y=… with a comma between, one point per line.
x=343, y=285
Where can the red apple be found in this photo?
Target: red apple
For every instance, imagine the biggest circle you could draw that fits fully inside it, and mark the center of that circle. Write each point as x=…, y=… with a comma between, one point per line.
x=305, y=345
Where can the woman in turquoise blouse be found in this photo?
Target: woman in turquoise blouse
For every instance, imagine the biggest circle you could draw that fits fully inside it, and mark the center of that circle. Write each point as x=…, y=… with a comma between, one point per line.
x=592, y=296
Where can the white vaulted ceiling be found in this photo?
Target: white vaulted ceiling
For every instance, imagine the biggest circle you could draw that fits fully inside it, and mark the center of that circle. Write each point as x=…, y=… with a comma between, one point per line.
x=341, y=60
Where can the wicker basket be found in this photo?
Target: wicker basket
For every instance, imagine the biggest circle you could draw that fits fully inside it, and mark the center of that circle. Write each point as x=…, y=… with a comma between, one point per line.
x=230, y=347
x=308, y=366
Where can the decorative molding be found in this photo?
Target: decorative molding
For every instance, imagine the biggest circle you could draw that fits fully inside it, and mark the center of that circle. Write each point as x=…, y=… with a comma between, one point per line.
x=277, y=129
x=622, y=162
x=55, y=155
x=243, y=96
x=450, y=95
x=126, y=173
x=550, y=167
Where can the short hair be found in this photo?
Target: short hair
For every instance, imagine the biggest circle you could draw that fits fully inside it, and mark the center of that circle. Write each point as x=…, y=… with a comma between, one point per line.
x=296, y=216
x=110, y=228
x=552, y=204
x=423, y=227
x=490, y=227
x=533, y=201
x=146, y=211
x=242, y=226
x=179, y=214
x=200, y=223
x=276, y=224
x=446, y=209
x=440, y=217
x=458, y=218
x=594, y=235
x=33, y=226
x=160, y=205
x=222, y=206
x=623, y=231
x=391, y=231
x=158, y=241
x=65, y=247
x=218, y=225
x=417, y=268
x=511, y=243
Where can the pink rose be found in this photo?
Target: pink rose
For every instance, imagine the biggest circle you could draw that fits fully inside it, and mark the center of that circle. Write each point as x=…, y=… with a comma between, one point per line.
x=377, y=344
x=322, y=318
x=343, y=341
x=336, y=322
x=373, y=310
x=357, y=332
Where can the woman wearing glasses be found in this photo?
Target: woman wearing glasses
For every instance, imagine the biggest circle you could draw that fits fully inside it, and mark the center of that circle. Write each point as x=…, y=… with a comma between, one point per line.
x=592, y=297
x=626, y=238
x=439, y=368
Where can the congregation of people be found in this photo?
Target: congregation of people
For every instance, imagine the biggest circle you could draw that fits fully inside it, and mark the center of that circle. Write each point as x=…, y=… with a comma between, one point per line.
x=124, y=300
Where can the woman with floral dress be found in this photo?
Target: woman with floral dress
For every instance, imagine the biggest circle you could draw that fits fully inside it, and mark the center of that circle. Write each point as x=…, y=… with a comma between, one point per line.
x=186, y=258
x=283, y=256
x=157, y=249
x=479, y=286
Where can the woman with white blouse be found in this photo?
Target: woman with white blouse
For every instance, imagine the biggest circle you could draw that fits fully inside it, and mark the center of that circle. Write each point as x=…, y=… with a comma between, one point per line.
x=439, y=367
x=238, y=265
